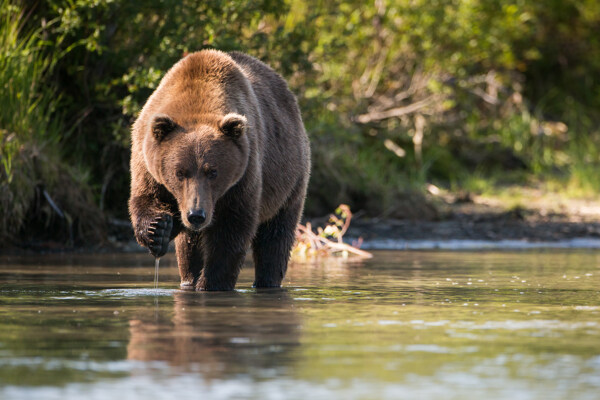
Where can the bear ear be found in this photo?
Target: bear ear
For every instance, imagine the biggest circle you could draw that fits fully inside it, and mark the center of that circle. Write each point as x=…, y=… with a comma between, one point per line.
x=162, y=126
x=233, y=125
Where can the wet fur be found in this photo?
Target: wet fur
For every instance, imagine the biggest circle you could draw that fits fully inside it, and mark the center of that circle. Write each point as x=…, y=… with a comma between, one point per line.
x=263, y=172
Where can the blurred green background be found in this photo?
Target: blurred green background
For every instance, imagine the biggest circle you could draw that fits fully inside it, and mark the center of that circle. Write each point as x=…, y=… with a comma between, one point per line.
x=396, y=95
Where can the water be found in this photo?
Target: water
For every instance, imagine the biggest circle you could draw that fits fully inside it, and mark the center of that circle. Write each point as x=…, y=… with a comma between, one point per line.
x=451, y=325
x=156, y=263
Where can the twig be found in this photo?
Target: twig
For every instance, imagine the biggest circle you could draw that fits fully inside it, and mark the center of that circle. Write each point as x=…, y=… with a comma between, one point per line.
x=395, y=112
x=321, y=244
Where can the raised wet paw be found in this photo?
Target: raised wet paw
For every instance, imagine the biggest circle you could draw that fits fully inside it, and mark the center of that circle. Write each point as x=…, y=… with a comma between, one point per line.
x=159, y=232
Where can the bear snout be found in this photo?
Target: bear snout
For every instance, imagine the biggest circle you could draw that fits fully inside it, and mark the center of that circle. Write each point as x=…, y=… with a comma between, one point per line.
x=196, y=218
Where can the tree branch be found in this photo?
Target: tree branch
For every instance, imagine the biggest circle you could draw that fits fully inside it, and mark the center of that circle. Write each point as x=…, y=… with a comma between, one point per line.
x=395, y=112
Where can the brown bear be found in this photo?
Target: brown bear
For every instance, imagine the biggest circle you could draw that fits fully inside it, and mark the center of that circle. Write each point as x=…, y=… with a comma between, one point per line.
x=220, y=162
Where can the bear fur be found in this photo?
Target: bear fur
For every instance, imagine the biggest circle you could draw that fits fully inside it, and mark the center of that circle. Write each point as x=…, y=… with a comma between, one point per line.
x=220, y=161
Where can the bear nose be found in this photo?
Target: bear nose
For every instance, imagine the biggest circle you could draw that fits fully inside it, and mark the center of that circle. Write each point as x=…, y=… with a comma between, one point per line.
x=196, y=217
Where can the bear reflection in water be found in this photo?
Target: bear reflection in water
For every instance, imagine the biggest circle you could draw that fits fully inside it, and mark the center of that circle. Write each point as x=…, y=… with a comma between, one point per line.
x=218, y=333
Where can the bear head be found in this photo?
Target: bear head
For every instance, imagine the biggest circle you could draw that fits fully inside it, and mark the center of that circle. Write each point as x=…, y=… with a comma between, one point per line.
x=197, y=162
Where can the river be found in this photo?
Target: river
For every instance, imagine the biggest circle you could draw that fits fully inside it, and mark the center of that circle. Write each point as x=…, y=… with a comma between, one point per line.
x=413, y=324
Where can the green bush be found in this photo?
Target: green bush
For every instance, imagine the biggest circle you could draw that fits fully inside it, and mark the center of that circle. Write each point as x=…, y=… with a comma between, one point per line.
x=394, y=94
x=32, y=165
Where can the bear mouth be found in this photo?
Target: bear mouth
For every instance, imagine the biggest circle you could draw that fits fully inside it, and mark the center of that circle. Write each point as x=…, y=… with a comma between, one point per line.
x=196, y=227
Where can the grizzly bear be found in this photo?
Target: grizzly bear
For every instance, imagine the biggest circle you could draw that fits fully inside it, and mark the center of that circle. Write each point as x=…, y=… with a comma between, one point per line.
x=220, y=162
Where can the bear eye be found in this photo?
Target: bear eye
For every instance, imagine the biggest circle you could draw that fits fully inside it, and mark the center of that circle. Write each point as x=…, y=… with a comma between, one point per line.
x=180, y=174
x=211, y=173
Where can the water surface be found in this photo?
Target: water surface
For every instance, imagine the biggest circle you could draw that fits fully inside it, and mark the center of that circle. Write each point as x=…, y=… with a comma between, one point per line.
x=452, y=325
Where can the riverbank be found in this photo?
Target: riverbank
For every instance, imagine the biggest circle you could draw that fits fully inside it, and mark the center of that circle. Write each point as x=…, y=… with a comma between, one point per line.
x=528, y=219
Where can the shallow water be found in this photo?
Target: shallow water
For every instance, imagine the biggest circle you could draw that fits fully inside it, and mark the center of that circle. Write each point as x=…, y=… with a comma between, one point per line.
x=451, y=325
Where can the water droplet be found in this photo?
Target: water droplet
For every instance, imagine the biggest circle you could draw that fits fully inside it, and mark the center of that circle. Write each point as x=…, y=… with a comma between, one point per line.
x=156, y=262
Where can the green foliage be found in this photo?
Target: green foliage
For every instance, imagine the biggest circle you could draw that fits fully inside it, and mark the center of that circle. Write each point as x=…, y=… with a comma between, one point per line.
x=493, y=85
x=115, y=52
x=30, y=133
x=26, y=127
x=394, y=94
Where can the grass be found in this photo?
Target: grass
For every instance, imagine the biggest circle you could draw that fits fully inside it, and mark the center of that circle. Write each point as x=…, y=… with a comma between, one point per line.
x=24, y=115
x=32, y=168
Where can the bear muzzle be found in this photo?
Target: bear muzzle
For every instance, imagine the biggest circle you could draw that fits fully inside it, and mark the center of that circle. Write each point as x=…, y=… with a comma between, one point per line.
x=196, y=218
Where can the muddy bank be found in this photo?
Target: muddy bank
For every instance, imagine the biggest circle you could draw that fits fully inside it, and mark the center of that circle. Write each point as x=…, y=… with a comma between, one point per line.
x=504, y=226
x=485, y=220
x=473, y=222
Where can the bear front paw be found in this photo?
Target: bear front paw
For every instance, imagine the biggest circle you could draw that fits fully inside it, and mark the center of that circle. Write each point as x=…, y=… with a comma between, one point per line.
x=158, y=234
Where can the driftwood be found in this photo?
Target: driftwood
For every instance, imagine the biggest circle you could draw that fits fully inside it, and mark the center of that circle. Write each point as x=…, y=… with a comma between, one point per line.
x=328, y=241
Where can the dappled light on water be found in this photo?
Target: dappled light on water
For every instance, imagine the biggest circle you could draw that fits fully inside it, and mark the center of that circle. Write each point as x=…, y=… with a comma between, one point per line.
x=451, y=325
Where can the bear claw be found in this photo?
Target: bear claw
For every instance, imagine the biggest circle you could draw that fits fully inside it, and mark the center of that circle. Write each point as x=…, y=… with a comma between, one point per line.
x=159, y=233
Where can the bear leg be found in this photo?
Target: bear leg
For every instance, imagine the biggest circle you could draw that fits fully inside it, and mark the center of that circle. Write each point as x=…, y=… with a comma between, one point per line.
x=273, y=243
x=189, y=258
x=225, y=244
x=154, y=212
